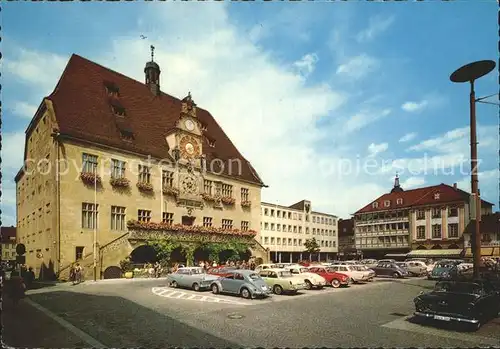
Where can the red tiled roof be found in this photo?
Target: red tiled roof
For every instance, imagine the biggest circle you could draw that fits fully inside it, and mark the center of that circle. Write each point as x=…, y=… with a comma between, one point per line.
x=7, y=233
x=490, y=223
x=419, y=197
x=83, y=111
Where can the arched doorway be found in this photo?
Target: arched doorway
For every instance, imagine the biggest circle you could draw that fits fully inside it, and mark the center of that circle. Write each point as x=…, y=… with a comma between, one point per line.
x=112, y=272
x=454, y=247
x=437, y=247
x=228, y=255
x=177, y=256
x=245, y=255
x=421, y=247
x=201, y=254
x=143, y=254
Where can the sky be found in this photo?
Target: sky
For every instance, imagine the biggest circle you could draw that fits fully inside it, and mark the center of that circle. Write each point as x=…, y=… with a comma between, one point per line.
x=328, y=101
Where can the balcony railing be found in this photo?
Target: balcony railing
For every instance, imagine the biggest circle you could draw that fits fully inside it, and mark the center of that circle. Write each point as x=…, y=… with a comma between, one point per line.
x=382, y=220
x=493, y=243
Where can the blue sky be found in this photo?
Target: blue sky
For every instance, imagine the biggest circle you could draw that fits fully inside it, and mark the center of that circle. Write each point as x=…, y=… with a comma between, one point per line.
x=300, y=88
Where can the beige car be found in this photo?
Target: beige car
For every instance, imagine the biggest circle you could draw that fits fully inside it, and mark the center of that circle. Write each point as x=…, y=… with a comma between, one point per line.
x=416, y=268
x=311, y=280
x=282, y=280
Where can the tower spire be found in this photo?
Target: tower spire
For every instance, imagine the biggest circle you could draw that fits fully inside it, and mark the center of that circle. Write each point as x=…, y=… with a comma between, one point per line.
x=397, y=186
x=152, y=74
x=152, y=53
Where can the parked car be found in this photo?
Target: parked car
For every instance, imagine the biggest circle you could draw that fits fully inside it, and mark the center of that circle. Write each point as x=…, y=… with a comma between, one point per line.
x=389, y=269
x=402, y=265
x=473, y=303
x=416, y=267
x=311, y=280
x=265, y=266
x=194, y=278
x=442, y=269
x=335, y=279
x=282, y=280
x=364, y=268
x=354, y=273
x=246, y=283
x=220, y=271
x=370, y=263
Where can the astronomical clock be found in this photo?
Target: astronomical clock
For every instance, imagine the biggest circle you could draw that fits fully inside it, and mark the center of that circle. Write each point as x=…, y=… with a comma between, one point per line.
x=189, y=147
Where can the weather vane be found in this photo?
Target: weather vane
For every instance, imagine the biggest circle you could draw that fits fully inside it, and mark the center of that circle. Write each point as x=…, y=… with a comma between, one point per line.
x=152, y=52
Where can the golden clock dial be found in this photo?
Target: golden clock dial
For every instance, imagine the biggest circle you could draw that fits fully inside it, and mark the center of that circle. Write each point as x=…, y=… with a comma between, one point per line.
x=189, y=147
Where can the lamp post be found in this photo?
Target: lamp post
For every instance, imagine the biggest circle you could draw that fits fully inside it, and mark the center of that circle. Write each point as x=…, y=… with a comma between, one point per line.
x=469, y=73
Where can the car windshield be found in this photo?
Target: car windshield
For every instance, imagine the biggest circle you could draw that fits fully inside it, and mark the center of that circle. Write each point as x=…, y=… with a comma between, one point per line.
x=330, y=270
x=198, y=271
x=254, y=276
x=357, y=267
x=445, y=265
x=285, y=273
x=304, y=270
x=458, y=287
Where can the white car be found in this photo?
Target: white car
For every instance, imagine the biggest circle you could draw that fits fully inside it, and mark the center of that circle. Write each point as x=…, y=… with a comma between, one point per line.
x=265, y=266
x=354, y=273
x=370, y=273
x=430, y=267
x=311, y=280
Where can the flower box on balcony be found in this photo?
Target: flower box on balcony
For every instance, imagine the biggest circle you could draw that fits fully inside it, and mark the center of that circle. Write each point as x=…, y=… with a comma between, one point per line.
x=246, y=204
x=120, y=182
x=133, y=224
x=208, y=197
x=146, y=187
x=168, y=190
x=227, y=200
x=90, y=178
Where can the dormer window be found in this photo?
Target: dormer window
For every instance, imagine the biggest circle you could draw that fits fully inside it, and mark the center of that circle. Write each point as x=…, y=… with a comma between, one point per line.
x=111, y=89
x=399, y=201
x=387, y=203
x=210, y=142
x=127, y=135
x=204, y=127
x=436, y=196
x=375, y=205
x=118, y=110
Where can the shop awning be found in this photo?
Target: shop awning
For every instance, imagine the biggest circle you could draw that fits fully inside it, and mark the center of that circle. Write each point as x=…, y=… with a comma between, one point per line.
x=485, y=252
x=451, y=253
x=396, y=255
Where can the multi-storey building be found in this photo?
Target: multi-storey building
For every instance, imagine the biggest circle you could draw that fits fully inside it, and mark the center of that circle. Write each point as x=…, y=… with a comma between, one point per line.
x=109, y=160
x=285, y=229
x=425, y=218
x=8, y=243
x=490, y=235
x=347, y=245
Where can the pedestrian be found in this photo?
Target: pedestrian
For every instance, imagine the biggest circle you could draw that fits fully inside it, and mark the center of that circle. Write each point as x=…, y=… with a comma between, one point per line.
x=29, y=278
x=72, y=273
x=214, y=264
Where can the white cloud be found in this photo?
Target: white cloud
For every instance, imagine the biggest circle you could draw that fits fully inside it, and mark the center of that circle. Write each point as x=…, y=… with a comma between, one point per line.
x=358, y=67
x=413, y=107
x=306, y=64
x=408, y=137
x=24, y=110
x=487, y=180
x=364, y=118
x=377, y=25
x=413, y=182
x=375, y=149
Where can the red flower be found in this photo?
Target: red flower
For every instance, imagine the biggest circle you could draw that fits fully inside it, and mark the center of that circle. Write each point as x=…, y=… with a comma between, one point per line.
x=208, y=197
x=170, y=191
x=246, y=203
x=120, y=182
x=144, y=186
x=227, y=200
x=90, y=177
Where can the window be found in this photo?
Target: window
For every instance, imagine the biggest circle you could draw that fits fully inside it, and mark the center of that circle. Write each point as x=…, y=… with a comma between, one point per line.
x=375, y=205
x=453, y=230
x=207, y=187
x=168, y=218
x=453, y=212
x=117, y=218
x=89, y=215
x=244, y=225
x=266, y=212
x=421, y=232
x=144, y=174
x=436, y=196
x=436, y=231
x=420, y=214
x=207, y=221
x=278, y=214
x=314, y=230
x=118, y=110
x=289, y=215
x=278, y=227
x=111, y=89
x=399, y=201
x=89, y=162
x=144, y=215
x=266, y=240
x=244, y=194
x=266, y=226
x=227, y=224
x=227, y=190
x=387, y=203
x=272, y=213
x=436, y=212
x=117, y=168
x=272, y=226
x=167, y=178
x=78, y=253
x=334, y=243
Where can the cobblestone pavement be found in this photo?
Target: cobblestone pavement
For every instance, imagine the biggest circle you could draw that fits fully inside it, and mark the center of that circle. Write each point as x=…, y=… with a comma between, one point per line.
x=126, y=314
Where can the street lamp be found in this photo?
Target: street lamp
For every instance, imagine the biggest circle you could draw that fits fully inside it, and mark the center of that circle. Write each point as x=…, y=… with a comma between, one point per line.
x=469, y=73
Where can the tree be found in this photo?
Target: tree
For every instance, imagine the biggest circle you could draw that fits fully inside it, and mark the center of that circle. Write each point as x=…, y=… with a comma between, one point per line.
x=311, y=246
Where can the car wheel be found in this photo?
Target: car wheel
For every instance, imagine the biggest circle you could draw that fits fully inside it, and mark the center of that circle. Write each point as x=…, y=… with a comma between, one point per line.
x=174, y=284
x=215, y=289
x=277, y=289
x=395, y=275
x=335, y=283
x=196, y=287
x=245, y=293
x=309, y=285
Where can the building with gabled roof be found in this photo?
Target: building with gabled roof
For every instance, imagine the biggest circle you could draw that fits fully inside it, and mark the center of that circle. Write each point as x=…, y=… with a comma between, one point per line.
x=8, y=240
x=109, y=160
x=432, y=217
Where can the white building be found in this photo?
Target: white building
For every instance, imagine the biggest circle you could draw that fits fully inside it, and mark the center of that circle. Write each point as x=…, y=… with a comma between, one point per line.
x=285, y=229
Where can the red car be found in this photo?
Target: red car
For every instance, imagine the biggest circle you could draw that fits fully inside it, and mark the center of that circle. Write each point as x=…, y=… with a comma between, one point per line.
x=331, y=276
x=220, y=271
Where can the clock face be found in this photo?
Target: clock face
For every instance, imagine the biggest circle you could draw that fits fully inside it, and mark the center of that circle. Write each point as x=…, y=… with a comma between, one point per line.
x=189, y=147
x=189, y=125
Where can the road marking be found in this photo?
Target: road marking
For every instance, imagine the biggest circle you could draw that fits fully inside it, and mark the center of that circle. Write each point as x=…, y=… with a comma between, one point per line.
x=160, y=291
x=404, y=325
x=76, y=331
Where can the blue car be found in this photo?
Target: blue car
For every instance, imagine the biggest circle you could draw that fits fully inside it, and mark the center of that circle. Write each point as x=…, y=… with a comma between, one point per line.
x=442, y=269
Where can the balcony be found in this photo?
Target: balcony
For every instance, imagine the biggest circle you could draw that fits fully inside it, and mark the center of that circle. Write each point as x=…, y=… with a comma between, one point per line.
x=492, y=243
x=381, y=221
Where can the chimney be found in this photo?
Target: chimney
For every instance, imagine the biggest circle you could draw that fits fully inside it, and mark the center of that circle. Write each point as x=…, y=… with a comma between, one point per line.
x=455, y=186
